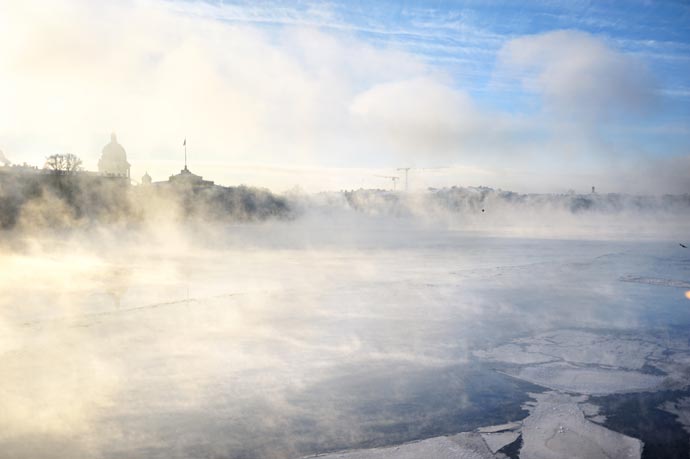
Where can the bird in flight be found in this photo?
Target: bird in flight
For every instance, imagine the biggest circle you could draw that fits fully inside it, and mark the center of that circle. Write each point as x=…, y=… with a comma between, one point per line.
x=683, y=245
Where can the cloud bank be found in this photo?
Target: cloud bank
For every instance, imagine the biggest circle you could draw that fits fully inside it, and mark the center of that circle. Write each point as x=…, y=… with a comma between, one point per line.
x=579, y=75
x=295, y=95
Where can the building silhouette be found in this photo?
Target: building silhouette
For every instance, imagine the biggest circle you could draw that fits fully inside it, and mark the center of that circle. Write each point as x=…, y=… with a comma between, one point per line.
x=188, y=179
x=113, y=161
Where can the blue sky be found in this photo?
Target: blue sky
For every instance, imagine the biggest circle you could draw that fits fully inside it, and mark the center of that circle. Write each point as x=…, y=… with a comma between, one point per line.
x=464, y=37
x=533, y=96
x=471, y=32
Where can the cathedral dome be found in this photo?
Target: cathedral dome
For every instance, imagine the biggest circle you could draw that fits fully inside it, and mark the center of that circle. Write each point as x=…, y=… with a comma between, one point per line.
x=113, y=159
x=113, y=150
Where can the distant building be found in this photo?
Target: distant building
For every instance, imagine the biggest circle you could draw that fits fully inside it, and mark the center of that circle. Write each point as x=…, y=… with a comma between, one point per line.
x=113, y=160
x=146, y=179
x=188, y=179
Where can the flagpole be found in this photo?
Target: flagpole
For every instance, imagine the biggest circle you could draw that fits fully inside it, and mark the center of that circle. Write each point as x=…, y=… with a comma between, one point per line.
x=185, y=153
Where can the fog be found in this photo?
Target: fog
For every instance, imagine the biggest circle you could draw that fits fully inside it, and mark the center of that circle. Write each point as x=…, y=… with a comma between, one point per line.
x=300, y=311
x=349, y=321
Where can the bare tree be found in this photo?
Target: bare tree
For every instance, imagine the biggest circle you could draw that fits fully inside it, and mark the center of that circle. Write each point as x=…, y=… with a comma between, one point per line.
x=63, y=164
x=54, y=163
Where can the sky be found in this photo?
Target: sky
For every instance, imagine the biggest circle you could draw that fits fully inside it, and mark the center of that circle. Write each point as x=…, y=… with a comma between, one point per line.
x=535, y=96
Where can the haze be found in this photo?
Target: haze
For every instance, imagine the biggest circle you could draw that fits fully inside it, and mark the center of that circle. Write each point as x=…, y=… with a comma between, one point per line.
x=424, y=230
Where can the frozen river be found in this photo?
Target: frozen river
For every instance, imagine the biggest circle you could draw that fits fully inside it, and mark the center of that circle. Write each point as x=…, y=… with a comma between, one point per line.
x=279, y=344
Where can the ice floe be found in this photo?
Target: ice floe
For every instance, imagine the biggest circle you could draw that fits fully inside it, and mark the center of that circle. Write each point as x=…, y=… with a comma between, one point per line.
x=500, y=427
x=591, y=412
x=587, y=380
x=461, y=446
x=498, y=440
x=583, y=347
x=557, y=428
x=592, y=363
x=573, y=346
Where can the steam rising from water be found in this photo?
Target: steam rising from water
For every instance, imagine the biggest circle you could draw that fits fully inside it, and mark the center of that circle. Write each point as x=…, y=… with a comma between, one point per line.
x=349, y=324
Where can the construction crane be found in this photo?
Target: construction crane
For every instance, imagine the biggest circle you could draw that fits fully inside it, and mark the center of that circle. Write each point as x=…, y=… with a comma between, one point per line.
x=393, y=178
x=407, y=170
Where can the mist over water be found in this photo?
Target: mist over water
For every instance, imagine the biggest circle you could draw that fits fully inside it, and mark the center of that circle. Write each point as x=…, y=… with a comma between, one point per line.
x=350, y=324
x=244, y=308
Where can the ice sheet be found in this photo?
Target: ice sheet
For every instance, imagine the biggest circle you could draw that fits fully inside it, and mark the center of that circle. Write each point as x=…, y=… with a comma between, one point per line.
x=557, y=428
x=459, y=447
x=500, y=427
x=587, y=380
x=573, y=346
x=498, y=440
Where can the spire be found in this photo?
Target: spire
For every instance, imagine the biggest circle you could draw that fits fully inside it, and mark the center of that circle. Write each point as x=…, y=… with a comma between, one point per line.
x=113, y=137
x=185, y=153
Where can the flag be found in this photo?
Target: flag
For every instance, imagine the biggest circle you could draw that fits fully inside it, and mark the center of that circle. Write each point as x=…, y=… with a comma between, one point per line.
x=184, y=144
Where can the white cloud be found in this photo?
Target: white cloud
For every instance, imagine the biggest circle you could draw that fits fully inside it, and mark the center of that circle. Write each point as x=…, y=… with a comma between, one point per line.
x=418, y=116
x=288, y=96
x=578, y=74
x=156, y=73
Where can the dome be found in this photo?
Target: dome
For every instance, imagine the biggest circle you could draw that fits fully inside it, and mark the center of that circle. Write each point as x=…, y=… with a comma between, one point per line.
x=113, y=150
x=113, y=159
